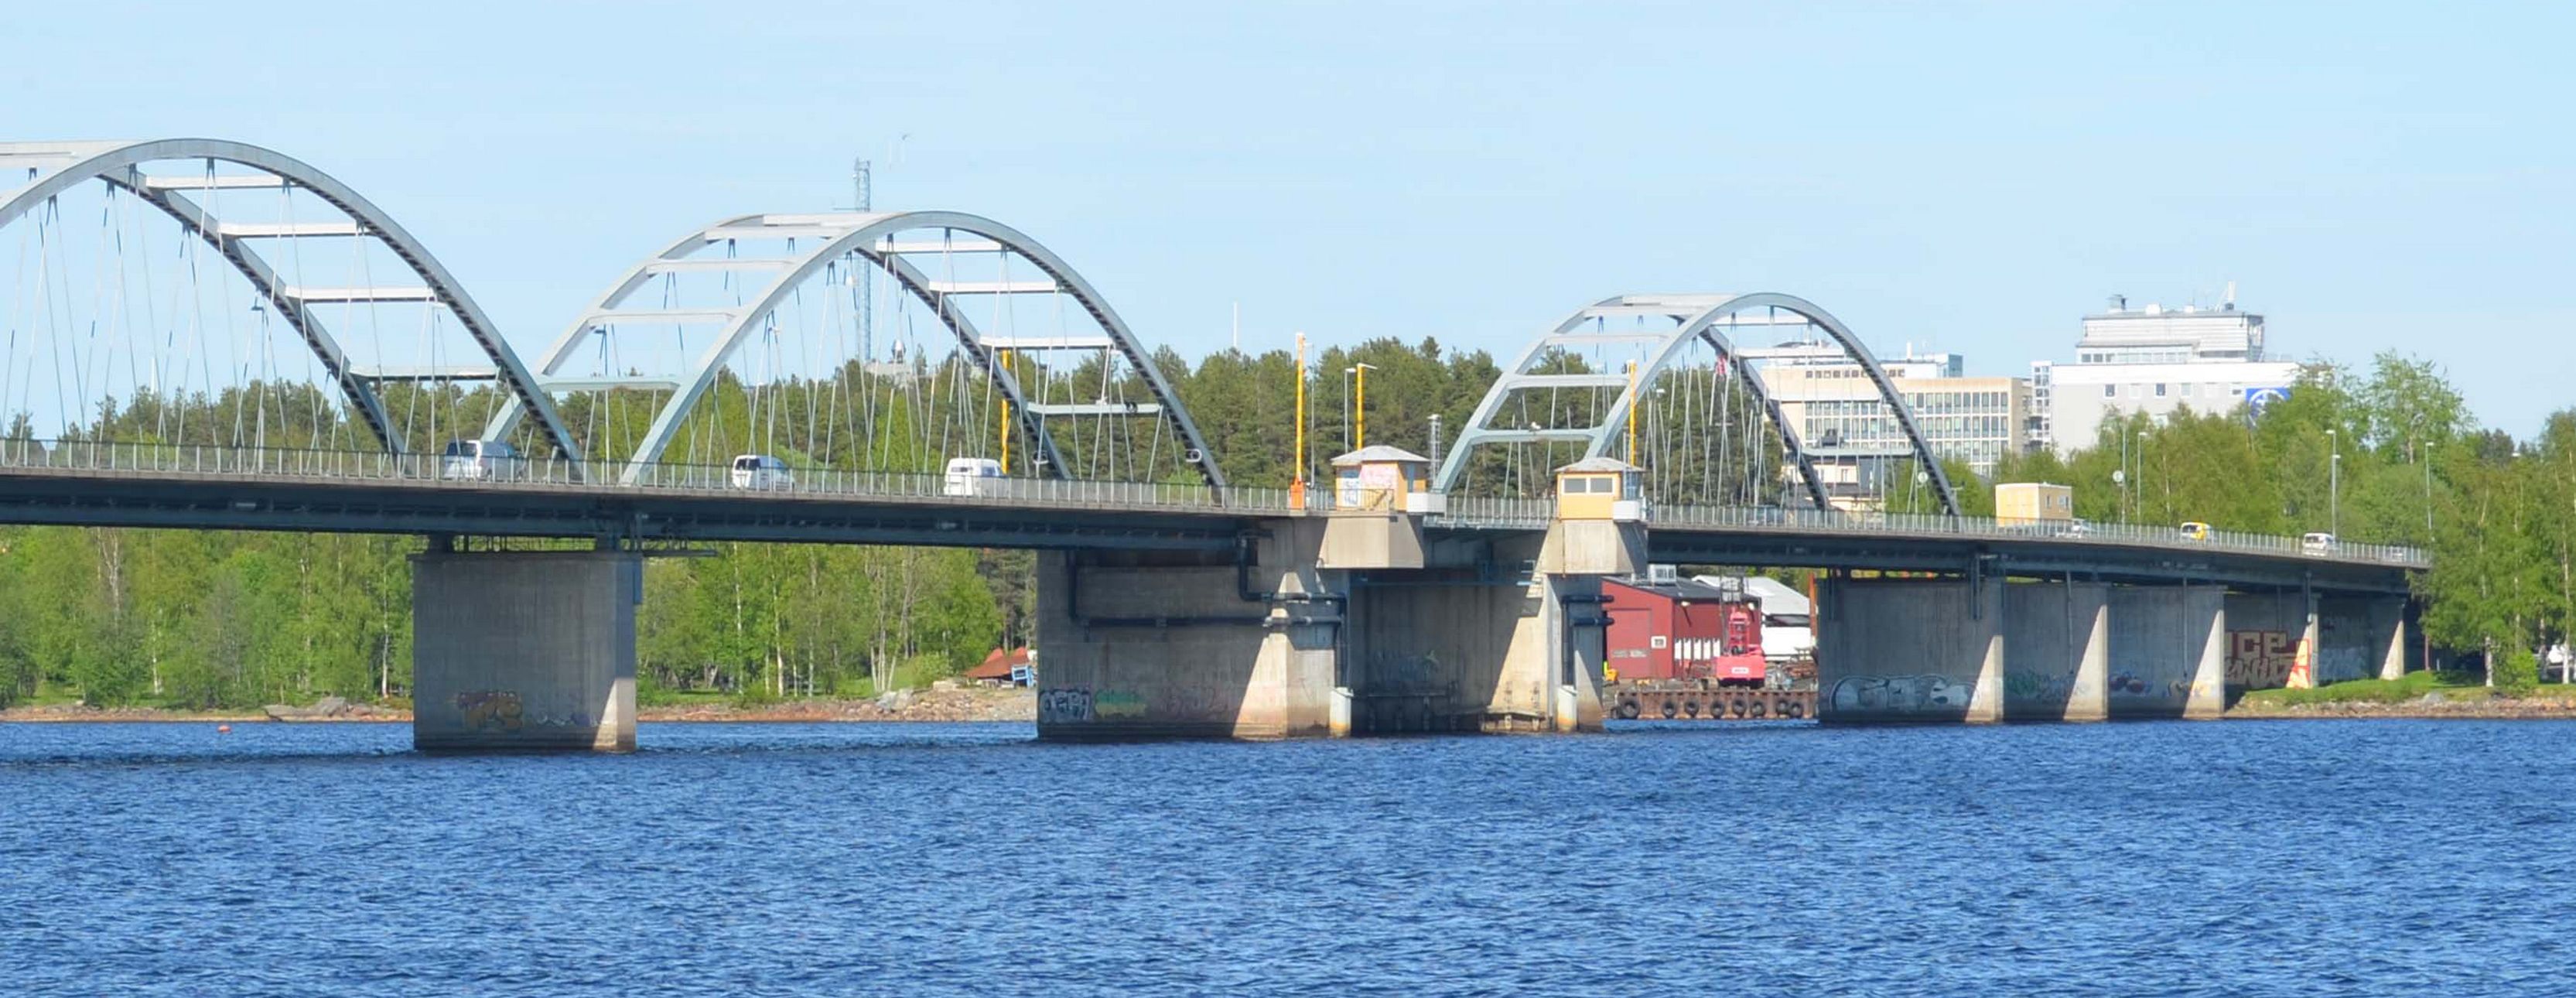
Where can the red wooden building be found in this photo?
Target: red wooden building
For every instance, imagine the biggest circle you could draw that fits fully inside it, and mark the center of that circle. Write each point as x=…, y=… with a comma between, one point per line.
x=1682, y=631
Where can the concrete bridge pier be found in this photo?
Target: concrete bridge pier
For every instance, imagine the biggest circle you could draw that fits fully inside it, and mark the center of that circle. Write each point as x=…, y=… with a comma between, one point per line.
x=1350, y=623
x=1975, y=650
x=2057, y=665
x=2362, y=638
x=527, y=651
x=1895, y=651
x=1491, y=645
x=1179, y=644
x=2168, y=652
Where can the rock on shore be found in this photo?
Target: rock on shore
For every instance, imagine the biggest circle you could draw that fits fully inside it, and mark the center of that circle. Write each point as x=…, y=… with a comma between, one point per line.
x=967, y=704
x=2435, y=705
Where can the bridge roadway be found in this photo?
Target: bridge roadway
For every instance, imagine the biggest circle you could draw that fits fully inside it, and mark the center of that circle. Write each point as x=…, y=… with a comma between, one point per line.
x=186, y=487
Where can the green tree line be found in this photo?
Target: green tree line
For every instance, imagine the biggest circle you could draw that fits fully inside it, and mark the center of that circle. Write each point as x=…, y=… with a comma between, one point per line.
x=205, y=619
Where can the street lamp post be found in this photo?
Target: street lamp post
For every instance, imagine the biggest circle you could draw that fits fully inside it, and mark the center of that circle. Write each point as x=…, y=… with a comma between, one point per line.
x=2334, y=484
x=2138, y=478
x=1359, y=405
x=2426, y=457
x=2120, y=477
x=1346, y=407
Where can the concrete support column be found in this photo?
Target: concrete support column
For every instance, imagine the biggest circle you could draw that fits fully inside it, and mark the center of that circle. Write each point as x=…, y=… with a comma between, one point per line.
x=2058, y=641
x=1910, y=651
x=2390, y=616
x=2311, y=643
x=1582, y=652
x=524, y=651
x=2209, y=684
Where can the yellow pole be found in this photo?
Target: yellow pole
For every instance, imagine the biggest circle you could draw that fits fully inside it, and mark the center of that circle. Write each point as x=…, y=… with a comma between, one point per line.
x=1359, y=435
x=1632, y=412
x=1299, y=477
x=1002, y=361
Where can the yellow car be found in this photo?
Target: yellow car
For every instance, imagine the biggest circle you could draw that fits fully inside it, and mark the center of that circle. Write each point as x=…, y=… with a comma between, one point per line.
x=2194, y=530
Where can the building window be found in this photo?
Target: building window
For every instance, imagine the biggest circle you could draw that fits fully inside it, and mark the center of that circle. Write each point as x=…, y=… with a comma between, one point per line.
x=2160, y=389
x=2186, y=389
x=2110, y=391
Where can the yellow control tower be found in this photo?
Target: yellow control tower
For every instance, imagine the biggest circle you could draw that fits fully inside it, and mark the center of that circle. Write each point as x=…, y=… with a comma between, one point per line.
x=1600, y=488
x=1600, y=526
x=1380, y=495
x=1383, y=479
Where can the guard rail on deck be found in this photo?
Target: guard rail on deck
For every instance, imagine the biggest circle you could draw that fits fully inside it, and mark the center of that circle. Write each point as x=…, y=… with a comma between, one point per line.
x=1533, y=514
x=438, y=471
x=1473, y=512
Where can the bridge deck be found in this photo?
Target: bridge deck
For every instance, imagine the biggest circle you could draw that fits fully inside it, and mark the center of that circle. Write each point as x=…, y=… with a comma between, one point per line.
x=137, y=485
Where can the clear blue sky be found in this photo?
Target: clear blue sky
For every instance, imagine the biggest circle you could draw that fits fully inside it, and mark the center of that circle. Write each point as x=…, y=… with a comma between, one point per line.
x=1964, y=177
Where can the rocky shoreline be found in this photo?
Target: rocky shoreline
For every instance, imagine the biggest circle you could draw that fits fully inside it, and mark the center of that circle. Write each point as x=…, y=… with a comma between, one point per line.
x=973, y=704
x=1009, y=704
x=2432, y=706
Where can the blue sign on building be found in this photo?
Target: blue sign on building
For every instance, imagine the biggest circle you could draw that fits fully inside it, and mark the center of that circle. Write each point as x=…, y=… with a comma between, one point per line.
x=2259, y=399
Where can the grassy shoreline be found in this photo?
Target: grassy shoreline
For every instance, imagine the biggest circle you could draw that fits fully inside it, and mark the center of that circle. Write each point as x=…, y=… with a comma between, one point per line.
x=2415, y=695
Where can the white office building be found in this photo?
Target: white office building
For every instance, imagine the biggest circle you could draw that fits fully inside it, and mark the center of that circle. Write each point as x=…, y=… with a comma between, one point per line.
x=1855, y=441
x=2153, y=360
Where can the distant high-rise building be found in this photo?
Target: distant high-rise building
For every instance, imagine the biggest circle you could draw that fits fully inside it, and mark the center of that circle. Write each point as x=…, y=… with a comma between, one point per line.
x=2152, y=360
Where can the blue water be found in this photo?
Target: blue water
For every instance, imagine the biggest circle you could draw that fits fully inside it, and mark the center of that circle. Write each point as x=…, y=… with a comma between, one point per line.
x=2314, y=857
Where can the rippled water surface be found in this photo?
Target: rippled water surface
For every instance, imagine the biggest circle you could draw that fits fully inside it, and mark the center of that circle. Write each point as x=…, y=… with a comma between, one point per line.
x=2316, y=857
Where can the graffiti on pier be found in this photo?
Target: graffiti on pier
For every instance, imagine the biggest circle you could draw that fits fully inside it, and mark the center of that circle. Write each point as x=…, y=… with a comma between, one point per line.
x=2027, y=688
x=2171, y=690
x=492, y=709
x=2260, y=659
x=1065, y=705
x=2335, y=665
x=1110, y=705
x=1901, y=695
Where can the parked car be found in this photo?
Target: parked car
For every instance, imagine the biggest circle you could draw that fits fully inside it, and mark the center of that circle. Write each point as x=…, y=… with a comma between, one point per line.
x=2194, y=530
x=2316, y=542
x=972, y=476
x=762, y=472
x=481, y=461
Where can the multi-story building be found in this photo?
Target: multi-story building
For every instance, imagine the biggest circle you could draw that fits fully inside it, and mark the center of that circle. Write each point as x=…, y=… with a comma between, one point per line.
x=1856, y=442
x=2154, y=360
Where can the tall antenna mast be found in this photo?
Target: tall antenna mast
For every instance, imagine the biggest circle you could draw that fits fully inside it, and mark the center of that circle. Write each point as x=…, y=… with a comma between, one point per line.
x=862, y=189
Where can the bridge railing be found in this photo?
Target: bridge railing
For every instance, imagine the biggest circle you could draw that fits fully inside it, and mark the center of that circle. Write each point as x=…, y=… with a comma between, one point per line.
x=1487, y=512
x=1534, y=514
x=510, y=472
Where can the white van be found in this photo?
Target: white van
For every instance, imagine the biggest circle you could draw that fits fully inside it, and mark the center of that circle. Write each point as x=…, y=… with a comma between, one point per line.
x=972, y=476
x=2316, y=543
x=762, y=472
x=481, y=461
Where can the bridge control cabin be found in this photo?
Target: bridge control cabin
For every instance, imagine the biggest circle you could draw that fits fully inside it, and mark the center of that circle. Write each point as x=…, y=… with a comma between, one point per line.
x=1600, y=488
x=1384, y=479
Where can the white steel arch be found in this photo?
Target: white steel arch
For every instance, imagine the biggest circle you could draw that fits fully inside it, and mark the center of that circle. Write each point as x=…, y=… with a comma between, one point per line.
x=871, y=236
x=1700, y=317
x=47, y=169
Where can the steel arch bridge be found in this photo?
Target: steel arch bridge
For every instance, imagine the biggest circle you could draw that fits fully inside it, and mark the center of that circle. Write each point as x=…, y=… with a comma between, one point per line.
x=46, y=170
x=1698, y=319
x=238, y=200
x=876, y=240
